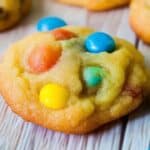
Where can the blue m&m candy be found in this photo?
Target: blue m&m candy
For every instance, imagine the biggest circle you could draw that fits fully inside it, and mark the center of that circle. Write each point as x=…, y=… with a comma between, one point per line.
x=92, y=76
x=100, y=42
x=50, y=23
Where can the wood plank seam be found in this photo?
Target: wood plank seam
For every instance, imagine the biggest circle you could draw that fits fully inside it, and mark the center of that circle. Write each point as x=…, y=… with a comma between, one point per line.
x=127, y=117
x=124, y=122
x=124, y=125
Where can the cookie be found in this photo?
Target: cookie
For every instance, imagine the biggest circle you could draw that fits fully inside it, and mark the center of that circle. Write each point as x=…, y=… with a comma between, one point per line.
x=11, y=13
x=72, y=79
x=140, y=18
x=97, y=5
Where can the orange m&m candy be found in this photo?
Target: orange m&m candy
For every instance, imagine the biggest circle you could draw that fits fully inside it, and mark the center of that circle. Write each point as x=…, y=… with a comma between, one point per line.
x=62, y=34
x=43, y=57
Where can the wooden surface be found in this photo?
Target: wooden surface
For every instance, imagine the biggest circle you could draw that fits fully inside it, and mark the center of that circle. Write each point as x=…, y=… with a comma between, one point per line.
x=129, y=133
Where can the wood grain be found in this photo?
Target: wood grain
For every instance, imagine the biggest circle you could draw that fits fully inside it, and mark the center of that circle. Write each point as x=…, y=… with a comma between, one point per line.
x=137, y=135
x=16, y=134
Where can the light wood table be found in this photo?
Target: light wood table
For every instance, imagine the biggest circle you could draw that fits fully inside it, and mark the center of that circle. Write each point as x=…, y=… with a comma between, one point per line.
x=129, y=133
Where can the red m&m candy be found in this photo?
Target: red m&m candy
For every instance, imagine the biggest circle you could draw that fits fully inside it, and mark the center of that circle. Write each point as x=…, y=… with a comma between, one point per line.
x=43, y=57
x=62, y=34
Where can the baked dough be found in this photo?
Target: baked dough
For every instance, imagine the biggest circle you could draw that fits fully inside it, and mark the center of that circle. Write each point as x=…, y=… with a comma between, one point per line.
x=97, y=5
x=12, y=12
x=120, y=93
x=140, y=18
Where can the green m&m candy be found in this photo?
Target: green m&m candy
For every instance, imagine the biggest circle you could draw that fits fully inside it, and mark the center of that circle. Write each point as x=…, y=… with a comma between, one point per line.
x=92, y=76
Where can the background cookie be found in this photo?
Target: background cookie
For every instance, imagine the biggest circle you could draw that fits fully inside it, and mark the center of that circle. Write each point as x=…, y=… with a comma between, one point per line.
x=97, y=5
x=88, y=104
x=12, y=12
x=139, y=18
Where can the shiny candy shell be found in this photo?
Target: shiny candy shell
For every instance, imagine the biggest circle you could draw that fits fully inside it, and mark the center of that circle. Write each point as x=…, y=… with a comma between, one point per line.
x=92, y=76
x=54, y=96
x=50, y=23
x=62, y=34
x=43, y=57
x=100, y=42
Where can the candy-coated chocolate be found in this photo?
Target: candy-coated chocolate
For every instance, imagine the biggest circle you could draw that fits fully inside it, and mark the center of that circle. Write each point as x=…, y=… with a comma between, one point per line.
x=54, y=96
x=43, y=57
x=62, y=34
x=50, y=23
x=92, y=76
x=100, y=42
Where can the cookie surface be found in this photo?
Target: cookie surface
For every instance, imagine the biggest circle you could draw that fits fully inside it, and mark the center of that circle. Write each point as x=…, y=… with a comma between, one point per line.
x=97, y=5
x=12, y=12
x=77, y=107
x=139, y=18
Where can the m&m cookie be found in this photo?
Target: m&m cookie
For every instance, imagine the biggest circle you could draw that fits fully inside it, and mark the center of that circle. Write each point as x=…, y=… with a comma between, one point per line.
x=11, y=12
x=72, y=79
x=140, y=18
x=97, y=5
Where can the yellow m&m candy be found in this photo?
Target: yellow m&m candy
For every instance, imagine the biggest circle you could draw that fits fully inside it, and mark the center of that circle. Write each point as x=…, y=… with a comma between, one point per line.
x=54, y=96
